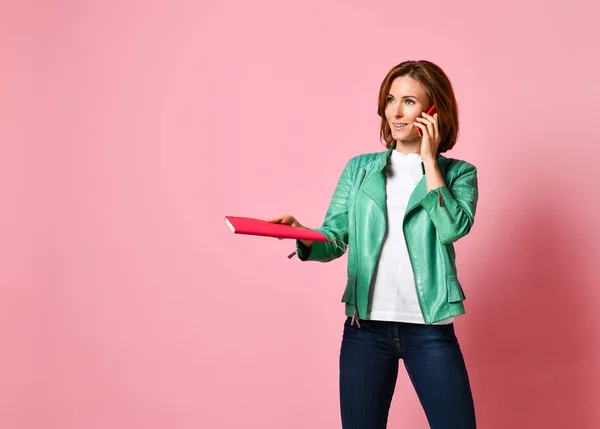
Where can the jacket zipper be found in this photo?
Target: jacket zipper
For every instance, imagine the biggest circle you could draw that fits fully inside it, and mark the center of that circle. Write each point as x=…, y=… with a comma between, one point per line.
x=441, y=200
x=355, y=315
x=355, y=318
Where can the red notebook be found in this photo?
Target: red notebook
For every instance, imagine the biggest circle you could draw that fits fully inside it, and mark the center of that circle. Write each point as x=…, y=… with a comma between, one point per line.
x=251, y=226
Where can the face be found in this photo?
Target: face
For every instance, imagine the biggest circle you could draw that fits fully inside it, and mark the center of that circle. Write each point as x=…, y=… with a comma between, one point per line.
x=405, y=102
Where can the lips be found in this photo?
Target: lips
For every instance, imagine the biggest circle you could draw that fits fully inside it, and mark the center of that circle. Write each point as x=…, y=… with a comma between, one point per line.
x=399, y=126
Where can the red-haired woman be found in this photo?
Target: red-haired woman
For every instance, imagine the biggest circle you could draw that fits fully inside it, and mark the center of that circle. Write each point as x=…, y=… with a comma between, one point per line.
x=398, y=212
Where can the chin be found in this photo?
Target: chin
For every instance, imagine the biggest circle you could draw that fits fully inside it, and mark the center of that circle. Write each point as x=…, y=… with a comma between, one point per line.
x=409, y=138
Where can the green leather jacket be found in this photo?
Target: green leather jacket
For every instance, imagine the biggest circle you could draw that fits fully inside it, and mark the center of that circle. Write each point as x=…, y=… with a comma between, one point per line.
x=433, y=221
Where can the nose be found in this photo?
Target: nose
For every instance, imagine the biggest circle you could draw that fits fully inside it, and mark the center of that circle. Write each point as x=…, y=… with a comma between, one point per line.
x=398, y=110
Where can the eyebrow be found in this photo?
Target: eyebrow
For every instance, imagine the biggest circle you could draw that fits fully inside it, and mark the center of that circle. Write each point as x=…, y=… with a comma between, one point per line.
x=406, y=96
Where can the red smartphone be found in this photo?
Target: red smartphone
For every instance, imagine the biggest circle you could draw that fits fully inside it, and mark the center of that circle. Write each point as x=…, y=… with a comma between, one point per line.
x=430, y=112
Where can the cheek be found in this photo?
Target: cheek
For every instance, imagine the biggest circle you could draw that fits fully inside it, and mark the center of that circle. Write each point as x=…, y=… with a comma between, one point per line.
x=388, y=112
x=411, y=113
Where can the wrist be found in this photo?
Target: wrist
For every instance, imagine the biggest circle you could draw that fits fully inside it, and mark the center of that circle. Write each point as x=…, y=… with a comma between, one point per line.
x=307, y=243
x=429, y=161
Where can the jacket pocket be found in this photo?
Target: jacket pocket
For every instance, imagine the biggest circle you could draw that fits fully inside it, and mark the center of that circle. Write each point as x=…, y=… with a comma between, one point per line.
x=454, y=289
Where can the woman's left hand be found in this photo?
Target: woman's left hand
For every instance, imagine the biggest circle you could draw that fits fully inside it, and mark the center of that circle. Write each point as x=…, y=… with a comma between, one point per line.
x=431, y=136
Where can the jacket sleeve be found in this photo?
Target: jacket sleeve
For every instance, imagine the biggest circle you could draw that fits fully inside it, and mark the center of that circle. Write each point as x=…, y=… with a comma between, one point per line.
x=335, y=225
x=452, y=210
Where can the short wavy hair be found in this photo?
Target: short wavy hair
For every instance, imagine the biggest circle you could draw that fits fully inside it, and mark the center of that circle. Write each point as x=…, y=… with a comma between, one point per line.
x=438, y=88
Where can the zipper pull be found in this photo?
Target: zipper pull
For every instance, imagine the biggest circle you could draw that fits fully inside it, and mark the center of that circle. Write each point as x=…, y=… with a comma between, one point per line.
x=355, y=318
x=291, y=255
x=441, y=200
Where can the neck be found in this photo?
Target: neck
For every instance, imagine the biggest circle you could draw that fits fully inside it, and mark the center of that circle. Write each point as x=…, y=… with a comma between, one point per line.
x=408, y=146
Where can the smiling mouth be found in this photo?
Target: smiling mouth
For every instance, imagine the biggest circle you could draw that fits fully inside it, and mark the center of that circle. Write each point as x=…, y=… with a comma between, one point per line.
x=399, y=126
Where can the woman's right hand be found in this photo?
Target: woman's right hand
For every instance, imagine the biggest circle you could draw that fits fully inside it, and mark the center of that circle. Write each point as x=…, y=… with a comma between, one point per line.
x=287, y=219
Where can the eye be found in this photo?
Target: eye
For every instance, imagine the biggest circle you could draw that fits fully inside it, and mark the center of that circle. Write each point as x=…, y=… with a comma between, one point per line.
x=409, y=101
x=390, y=98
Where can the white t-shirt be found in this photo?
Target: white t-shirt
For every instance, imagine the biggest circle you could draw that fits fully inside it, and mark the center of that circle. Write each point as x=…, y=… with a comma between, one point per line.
x=394, y=291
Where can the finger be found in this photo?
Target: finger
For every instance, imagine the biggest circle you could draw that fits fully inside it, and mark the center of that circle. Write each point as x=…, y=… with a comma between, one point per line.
x=428, y=122
x=422, y=127
x=436, y=126
x=276, y=219
x=286, y=219
x=428, y=118
x=430, y=128
x=424, y=121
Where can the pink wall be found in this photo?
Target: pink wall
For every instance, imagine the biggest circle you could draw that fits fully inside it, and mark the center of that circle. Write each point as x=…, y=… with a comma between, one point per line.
x=129, y=129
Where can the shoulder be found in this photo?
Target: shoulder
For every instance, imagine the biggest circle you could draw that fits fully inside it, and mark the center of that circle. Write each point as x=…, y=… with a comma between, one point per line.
x=458, y=171
x=362, y=160
x=365, y=161
x=457, y=166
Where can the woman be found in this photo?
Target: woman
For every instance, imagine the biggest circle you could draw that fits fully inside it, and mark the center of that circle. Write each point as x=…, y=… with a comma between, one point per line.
x=398, y=214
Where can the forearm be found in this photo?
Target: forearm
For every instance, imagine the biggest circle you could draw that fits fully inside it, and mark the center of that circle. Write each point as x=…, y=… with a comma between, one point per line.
x=452, y=211
x=322, y=251
x=335, y=225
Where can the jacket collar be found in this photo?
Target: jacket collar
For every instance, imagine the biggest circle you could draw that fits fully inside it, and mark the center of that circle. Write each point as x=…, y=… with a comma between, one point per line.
x=375, y=187
x=384, y=159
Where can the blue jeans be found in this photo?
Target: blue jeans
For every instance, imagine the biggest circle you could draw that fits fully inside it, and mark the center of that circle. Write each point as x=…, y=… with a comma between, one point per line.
x=369, y=360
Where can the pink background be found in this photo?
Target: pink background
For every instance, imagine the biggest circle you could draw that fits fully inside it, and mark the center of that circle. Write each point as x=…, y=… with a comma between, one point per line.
x=129, y=129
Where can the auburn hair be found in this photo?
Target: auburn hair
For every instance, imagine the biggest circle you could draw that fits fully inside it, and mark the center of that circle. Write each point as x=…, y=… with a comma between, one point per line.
x=438, y=88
